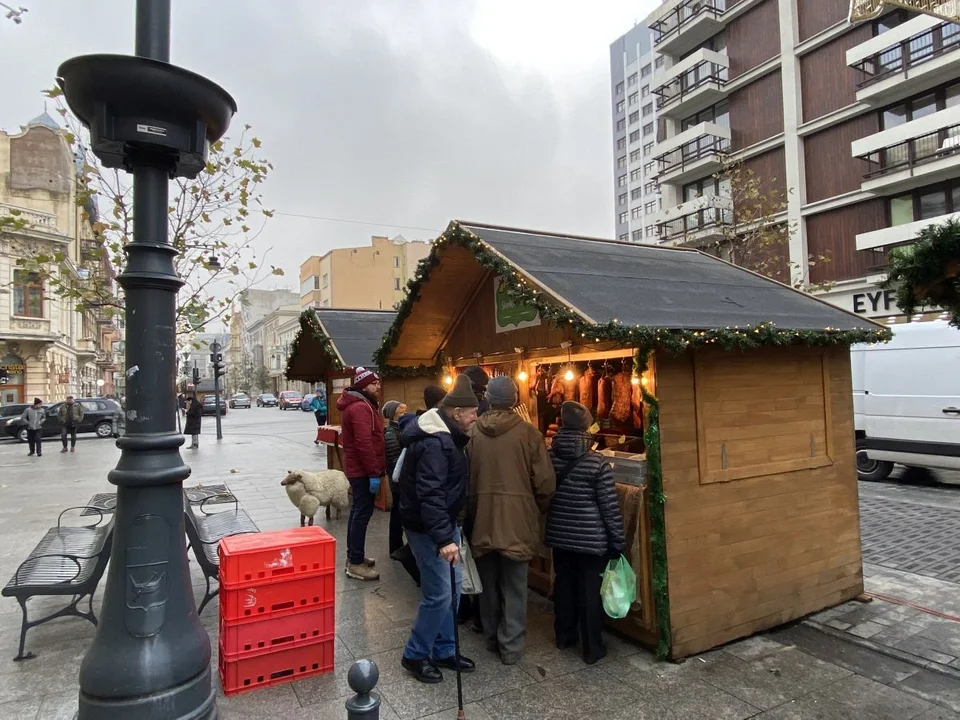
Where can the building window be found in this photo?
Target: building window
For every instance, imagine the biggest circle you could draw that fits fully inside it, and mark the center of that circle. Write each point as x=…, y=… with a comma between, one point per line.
x=647, y=149
x=622, y=217
x=27, y=294
x=645, y=71
x=619, y=88
x=648, y=129
x=645, y=91
x=622, y=181
x=924, y=203
x=633, y=99
x=636, y=235
x=649, y=230
x=621, y=143
x=651, y=187
x=622, y=161
x=623, y=237
x=325, y=283
x=635, y=175
x=920, y=106
x=396, y=261
x=635, y=156
x=719, y=114
x=636, y=193
x=648, y=109
x=706, y=187
x=635, y=136
x=634, y=117
x=636, y=213
x=632, y=80
x=658, y=63
x=622, y=199
x=648, y=168
x=620, y=106
x=396, y=283
x=621, y=124
x=650, y=207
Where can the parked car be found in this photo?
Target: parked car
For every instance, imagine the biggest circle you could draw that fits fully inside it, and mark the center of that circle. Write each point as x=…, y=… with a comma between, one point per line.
x=210, y=405
x=240, y=400
x=305, y=403
x=100, y=416
x=906, y=400
x=11, y=412
x=290, y=399
x=266, y=400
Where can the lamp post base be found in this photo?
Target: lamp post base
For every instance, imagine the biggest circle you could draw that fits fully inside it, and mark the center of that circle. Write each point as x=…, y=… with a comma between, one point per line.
x=193, y=700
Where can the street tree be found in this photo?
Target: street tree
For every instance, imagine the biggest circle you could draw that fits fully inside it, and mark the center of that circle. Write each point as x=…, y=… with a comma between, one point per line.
x=213, y=219
x=261, y=378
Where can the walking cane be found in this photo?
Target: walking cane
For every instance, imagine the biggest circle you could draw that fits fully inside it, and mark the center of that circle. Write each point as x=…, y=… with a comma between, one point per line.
x=456, y=641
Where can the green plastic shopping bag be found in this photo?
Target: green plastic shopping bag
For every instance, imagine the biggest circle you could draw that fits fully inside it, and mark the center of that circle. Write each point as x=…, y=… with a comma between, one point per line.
x=619, y=588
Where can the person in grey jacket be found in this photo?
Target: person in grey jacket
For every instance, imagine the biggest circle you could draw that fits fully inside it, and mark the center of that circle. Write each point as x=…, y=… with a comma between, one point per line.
x=35, y=416
x=584, y=529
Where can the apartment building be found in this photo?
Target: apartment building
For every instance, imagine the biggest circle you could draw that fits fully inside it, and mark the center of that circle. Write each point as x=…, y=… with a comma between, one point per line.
x=856, y=125
x=636, y=191
x=372, y=277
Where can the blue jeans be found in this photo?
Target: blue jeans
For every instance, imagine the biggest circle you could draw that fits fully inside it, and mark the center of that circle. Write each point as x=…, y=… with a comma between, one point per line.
x=432, y=634
x=361, y=510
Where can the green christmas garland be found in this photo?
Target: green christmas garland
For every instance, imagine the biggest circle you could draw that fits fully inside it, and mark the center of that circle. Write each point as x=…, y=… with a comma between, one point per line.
x=671, y=340
x=310, y=330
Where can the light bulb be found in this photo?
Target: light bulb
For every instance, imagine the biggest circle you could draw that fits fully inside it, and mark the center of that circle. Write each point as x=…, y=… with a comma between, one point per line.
x=568, y=375
x=522, y=376
x=634, y=380
x=644, y=381
x=448, y=380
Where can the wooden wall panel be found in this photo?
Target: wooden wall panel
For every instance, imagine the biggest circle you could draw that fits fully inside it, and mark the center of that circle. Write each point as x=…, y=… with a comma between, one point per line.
x=833, y=234
x=756, y=111
x=815, y=16
x=830, y=168
x=770, y=172
x=754, y=37
x=827, y=83
x=748, y=555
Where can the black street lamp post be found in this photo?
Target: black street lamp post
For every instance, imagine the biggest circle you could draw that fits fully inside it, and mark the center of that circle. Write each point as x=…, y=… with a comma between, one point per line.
x=150, y=659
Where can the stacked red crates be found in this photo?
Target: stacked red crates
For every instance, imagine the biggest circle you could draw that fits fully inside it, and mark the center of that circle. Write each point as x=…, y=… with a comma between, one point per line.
x=276, y=607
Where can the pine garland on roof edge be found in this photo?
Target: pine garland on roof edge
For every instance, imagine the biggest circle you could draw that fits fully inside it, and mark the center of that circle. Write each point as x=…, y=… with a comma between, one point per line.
x=310, y=324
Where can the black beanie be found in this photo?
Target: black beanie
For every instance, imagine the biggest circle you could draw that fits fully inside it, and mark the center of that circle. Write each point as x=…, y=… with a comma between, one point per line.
x=575, y=416
x=432, y=395
x=478, y=376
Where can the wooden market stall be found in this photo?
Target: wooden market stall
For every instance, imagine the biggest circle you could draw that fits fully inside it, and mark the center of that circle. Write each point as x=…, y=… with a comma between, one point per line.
x=722, y=398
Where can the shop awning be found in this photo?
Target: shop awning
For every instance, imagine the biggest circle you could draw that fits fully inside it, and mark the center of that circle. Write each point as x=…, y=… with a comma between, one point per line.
x=612, y=291
x=331, y=340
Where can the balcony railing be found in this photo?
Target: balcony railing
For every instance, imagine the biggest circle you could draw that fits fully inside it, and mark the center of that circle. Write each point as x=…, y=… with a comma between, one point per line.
x=908, y=54
x=687, y=11
x=914, y=152
x=703, y=74
x=705, y=146
x=696, y=223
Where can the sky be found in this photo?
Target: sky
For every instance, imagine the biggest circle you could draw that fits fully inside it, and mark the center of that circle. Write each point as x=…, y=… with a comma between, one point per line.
x=403, y=112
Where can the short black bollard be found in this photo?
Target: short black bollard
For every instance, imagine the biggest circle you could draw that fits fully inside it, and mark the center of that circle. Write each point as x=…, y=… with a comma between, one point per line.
x=362, y=679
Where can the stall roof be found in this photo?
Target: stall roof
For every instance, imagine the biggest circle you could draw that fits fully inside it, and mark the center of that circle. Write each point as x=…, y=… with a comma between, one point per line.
x=609, y=285
x=332, y=339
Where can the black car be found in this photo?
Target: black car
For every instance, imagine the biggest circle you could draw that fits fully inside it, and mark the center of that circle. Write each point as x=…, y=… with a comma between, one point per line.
x=100, y=416
x=210, y=405
x=267, y=400
x=11, y=412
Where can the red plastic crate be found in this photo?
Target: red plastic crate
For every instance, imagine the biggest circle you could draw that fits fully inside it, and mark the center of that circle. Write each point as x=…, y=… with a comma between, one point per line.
x=278, y=598
x=275, y=668
x=257, y=637
x=256, y=558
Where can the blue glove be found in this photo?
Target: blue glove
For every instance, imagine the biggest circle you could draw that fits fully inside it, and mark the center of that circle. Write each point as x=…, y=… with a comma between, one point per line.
x=374, y=485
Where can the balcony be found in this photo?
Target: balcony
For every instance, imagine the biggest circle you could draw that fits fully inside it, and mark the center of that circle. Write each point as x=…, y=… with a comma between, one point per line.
x=910, y=58
x=695, y=153
x=34, y=221
x=696, y=223
x=686, y=25
x=86, y=350
x=106, y=360
x=919, y=152
x=692, y=85
x=886, y=238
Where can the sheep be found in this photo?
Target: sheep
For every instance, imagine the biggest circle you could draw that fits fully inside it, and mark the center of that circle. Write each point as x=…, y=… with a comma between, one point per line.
x=309, y=491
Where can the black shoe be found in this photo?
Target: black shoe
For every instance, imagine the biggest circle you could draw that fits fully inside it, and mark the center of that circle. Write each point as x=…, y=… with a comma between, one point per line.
x=593, y=659
x=423, y=670
x=565, y=644
x=466, y=664
x=30, y=454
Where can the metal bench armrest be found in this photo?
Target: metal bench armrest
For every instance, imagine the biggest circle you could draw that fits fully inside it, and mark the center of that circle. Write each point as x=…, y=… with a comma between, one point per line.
x=99, y=512
x=222, y=497
x=63, y=556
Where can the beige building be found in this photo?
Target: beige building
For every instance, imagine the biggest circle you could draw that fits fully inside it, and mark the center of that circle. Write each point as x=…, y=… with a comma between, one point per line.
x=274, y=333
x=47, y=348
x=363, y=278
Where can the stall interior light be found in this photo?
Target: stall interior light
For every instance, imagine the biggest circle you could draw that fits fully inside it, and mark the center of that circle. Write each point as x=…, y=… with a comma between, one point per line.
x=448, y=380
x=522, y=376
x=568, y=375
x=634, y=380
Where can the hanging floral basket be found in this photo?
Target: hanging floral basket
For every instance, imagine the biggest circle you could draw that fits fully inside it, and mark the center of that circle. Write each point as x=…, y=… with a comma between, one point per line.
x=926, y=274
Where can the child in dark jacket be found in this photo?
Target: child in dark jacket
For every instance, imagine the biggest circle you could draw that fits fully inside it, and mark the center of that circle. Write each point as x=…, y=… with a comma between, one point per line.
x=584, y=529
x=393, y=410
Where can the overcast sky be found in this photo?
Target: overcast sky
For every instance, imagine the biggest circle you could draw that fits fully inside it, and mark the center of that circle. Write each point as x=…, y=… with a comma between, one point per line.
x=406, y=112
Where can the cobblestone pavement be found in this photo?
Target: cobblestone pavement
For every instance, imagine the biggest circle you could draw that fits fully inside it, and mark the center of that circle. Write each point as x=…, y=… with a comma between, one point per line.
x=795, y=673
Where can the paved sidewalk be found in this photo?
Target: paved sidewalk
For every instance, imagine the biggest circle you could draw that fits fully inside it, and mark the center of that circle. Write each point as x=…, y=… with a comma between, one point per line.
x=794, y=673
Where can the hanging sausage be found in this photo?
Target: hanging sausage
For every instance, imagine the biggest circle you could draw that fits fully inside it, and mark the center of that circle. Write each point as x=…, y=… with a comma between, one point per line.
x=604, y=394
x=622, y=391
x=587, y=388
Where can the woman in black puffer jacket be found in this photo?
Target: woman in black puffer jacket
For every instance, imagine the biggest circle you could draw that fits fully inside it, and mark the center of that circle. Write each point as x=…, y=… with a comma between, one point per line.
x=585, y=529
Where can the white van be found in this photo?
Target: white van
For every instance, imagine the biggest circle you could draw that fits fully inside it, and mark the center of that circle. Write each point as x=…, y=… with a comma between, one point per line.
x=906, y=400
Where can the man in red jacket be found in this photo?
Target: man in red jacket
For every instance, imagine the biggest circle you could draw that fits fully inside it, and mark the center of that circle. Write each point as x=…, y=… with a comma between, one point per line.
x=365, y=461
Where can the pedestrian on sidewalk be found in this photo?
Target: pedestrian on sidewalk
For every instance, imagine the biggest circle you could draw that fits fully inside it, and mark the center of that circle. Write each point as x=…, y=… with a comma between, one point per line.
x=393, y=410
x=584, y=529
x=511, y=483
x=365, y=461
x=182, y=404
x=35, y=416
x=319, y=407
x=433, y=491
x=70, y=414
x=194, y=419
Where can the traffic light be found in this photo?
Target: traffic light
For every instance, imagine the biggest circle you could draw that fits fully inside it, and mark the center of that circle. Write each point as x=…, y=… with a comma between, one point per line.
x=219, y=369
x=4, y=378
x=196, y=376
